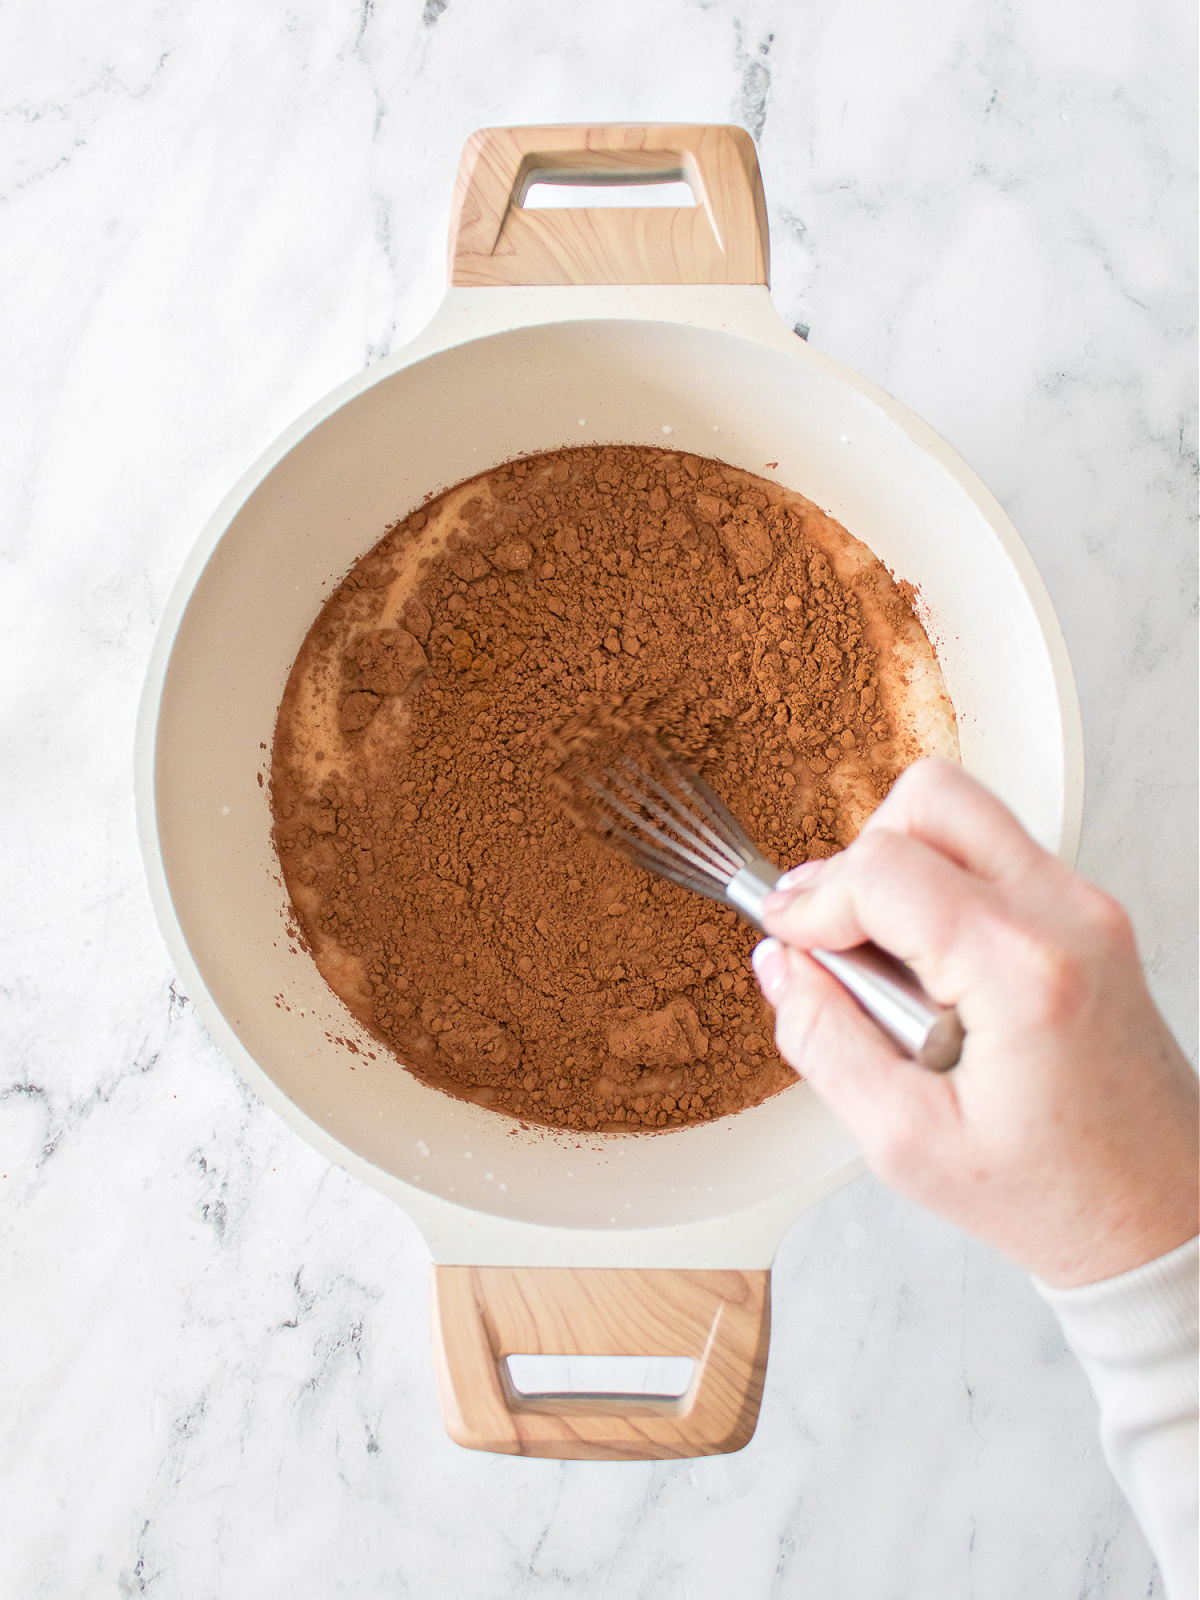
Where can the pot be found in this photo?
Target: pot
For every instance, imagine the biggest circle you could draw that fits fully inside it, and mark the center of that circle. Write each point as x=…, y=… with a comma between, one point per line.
x=640, y=326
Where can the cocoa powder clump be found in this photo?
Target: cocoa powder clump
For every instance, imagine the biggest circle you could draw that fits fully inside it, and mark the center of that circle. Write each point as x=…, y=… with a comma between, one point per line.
x=445, y=894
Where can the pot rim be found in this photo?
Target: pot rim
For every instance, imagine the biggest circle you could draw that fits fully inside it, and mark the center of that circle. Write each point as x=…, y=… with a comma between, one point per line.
x=456, y=1232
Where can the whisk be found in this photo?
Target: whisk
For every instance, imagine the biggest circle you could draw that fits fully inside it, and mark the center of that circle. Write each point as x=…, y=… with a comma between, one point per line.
x=661, y=816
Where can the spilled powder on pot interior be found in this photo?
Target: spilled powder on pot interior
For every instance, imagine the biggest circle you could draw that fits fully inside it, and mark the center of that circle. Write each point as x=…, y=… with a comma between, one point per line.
x=443, y=892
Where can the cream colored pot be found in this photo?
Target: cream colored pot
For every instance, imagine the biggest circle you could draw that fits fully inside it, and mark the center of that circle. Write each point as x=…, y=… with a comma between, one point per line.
x=561, y=328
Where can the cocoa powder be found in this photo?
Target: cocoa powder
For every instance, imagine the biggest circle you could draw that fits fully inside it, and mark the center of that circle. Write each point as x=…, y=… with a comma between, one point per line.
x=446, y=896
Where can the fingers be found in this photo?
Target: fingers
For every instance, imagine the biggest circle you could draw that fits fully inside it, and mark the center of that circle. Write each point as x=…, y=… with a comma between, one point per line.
x=901, y=893
x=936, y=802
x=883, y=1098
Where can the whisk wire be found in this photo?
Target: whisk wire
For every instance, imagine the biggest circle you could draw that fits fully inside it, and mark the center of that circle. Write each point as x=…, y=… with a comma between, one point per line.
x=615, y=803
x=665, y=859
x=701, y=854
x=666, y=868
x=685, y=822
x=720, y=813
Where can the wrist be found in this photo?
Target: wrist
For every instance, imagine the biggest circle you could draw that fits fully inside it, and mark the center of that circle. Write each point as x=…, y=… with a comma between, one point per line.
x=1120, y=1240
x=1143, y=1309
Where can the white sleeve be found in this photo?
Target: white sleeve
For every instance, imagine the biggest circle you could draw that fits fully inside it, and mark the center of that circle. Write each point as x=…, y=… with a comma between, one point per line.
x=1136, y=1338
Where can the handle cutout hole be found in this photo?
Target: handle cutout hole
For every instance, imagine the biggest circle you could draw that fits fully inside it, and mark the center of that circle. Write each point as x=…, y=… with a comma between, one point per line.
x=552, y=1377
x=546, y=190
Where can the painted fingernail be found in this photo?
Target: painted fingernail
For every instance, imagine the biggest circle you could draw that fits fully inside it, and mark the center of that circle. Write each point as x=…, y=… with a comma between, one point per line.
x=770, y=968
x=799, y=877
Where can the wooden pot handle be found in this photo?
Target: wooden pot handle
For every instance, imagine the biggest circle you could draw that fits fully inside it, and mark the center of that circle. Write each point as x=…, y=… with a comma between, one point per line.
x=482, y=1315
x=494, y=241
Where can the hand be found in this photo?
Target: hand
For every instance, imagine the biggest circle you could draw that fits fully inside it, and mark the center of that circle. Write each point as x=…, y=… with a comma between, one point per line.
x=1067, y=1134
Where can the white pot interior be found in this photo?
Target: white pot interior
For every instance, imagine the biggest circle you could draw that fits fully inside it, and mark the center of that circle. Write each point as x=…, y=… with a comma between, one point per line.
x=416, y=432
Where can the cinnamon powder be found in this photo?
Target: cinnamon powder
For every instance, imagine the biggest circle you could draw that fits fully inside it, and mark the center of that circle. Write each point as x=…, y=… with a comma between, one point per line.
x=444, y=893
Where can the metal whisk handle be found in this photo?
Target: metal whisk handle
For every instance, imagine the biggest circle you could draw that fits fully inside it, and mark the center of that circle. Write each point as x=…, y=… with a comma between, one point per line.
x=884, y=987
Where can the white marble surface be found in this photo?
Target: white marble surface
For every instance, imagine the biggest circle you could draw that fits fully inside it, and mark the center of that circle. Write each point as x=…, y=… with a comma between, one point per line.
x=214, y=1371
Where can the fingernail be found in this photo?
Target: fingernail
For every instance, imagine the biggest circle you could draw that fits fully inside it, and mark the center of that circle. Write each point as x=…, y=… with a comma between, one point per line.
x=770, y=968
x=799, y=877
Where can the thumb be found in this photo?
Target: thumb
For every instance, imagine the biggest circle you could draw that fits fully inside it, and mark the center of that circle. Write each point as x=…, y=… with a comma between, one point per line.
x=881, y=1096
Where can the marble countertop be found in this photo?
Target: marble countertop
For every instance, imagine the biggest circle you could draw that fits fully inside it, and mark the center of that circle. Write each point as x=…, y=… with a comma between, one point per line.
x=214, y=1359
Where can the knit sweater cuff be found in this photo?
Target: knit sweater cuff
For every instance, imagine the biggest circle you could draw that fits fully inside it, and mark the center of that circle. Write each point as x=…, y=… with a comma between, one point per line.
x=1139, y=1315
